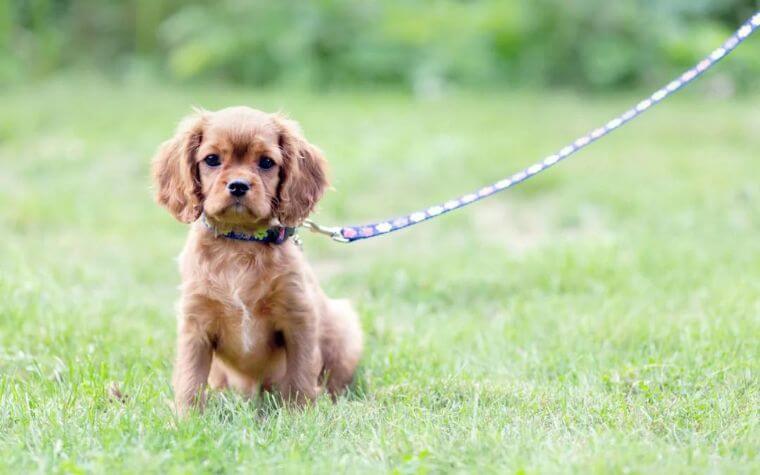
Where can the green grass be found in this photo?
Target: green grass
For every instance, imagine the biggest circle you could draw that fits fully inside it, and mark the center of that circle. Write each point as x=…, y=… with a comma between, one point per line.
x=603, y=317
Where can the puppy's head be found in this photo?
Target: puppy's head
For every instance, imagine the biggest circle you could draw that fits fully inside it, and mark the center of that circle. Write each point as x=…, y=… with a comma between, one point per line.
x=240, y=166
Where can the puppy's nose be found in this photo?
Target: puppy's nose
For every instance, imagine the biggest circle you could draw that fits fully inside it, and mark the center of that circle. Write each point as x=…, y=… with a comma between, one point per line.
x=238, y=187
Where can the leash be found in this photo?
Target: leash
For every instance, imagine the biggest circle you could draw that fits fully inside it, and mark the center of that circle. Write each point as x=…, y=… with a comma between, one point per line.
x=355, y=233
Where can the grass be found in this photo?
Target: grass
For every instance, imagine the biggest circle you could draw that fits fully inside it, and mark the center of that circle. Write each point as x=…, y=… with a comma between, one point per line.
x=601, y=318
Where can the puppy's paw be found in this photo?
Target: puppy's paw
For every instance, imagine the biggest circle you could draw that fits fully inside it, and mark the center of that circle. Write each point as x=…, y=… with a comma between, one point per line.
x=186, y=406
x=299, y=396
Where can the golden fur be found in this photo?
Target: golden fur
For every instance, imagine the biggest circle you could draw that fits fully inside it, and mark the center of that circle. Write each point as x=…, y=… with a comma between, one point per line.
x=251, y=315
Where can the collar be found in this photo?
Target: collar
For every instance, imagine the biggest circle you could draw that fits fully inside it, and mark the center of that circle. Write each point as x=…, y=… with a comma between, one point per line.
x=273, y=235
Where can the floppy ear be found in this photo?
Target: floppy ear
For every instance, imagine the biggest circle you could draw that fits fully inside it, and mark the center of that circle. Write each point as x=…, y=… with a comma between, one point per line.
x=303, y=177
x=175, y=173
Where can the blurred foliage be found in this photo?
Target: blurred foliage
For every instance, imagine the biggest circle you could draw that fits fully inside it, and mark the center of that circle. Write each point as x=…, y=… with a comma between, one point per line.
x=422, y=45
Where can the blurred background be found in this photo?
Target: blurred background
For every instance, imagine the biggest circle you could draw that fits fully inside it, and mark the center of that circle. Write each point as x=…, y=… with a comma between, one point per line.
x=601, y=318
x=419, y=46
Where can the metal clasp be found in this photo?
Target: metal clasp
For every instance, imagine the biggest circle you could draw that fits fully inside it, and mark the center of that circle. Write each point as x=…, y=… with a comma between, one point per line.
x=332, y=231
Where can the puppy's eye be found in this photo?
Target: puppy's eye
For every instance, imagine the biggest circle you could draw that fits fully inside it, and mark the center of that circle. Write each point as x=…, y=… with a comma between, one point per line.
x=212, y=160
x=265, y=163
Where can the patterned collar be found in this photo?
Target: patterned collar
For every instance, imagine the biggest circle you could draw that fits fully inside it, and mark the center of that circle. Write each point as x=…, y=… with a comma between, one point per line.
x=274, y=235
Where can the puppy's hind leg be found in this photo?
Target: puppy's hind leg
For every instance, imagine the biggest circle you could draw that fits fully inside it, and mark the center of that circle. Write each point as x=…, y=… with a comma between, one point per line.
x=341, y=344
x=217, y=376
x=223, y=377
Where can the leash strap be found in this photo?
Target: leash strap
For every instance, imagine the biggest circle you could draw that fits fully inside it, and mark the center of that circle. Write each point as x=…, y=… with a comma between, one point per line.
x=355, y=233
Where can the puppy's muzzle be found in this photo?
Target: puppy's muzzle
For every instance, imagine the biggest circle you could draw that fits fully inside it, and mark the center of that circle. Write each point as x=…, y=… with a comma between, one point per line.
x=238, y=188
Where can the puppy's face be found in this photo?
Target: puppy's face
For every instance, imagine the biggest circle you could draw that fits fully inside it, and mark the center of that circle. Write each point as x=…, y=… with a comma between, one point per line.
x=240, y=166
x=239, y=162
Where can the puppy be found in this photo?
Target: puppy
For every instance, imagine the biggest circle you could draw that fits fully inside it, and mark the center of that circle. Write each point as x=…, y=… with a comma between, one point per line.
x=251, y=313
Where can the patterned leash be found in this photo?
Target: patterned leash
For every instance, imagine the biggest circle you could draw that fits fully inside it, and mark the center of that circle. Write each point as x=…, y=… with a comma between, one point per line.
x=366, y=231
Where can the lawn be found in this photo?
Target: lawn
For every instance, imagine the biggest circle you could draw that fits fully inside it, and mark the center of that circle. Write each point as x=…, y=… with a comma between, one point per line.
x=603, y=317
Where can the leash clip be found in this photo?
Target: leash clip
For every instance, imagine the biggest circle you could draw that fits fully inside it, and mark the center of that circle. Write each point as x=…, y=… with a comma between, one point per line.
x=332, y=231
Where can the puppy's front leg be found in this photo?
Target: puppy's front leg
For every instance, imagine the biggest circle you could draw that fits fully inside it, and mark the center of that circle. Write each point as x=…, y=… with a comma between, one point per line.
x=303, y=363
x=192, y=367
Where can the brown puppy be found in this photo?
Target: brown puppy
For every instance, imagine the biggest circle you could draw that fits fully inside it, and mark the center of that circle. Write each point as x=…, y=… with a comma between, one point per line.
x=251, y=314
